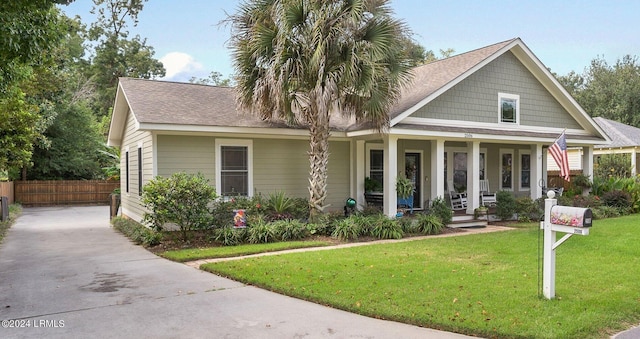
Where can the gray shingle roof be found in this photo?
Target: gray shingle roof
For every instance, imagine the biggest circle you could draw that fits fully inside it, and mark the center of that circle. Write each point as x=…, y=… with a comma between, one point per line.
x=621, y=135
x=163, y=102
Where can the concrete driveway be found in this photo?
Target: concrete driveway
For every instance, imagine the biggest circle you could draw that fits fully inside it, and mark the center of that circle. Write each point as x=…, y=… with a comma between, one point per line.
x=65, y=273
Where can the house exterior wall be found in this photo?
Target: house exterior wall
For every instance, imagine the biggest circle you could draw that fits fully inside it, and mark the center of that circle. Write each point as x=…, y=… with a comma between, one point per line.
x=131, y=139
x=475, y=99
x=278, y=164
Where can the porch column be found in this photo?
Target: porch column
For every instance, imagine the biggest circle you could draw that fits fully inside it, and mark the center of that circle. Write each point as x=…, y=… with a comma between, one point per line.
x=587, y=165
x=358, y=187
x=437, y=169
x=473, y=176
x=536, y=171
x=390, y=207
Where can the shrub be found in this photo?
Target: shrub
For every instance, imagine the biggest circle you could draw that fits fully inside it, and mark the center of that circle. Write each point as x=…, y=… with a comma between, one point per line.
x=136, y=232
x=385, y=228
x=586, y=200
x=429, y=224
x=181, y=199
x=229, y=236
x=287, y=230
x=300, y=208
x=279, y=203
x=603, y=212
x=528, y=210
x=617, y=198
x=366, y=222
x=222, y=210
x=505, y=205
x=440, y=208
x=261, y=233
x=346, y=229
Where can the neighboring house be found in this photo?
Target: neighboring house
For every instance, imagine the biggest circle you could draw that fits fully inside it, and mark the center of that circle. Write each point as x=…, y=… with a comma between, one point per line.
x=625, y=139
x=485, y=114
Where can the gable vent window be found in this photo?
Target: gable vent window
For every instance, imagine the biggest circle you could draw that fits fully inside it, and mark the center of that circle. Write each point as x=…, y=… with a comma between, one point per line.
x=509, y=108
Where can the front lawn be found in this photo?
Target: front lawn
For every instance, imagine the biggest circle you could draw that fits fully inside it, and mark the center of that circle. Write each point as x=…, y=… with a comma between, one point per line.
x=236, y=251
x=484, y=284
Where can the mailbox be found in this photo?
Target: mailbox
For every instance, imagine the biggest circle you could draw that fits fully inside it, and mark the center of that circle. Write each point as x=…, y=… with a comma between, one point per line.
x=571, y=216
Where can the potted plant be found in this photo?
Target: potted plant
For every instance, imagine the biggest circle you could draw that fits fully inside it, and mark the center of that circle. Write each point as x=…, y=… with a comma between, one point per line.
x=371, y=185
x=480, y=212
x=404, y=187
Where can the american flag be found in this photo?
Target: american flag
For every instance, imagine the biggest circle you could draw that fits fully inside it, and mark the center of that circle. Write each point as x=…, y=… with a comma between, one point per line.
x=559, y=153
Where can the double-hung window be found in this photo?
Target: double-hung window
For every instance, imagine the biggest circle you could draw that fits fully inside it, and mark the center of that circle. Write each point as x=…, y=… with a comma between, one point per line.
x=234, y=167
x=509, y=108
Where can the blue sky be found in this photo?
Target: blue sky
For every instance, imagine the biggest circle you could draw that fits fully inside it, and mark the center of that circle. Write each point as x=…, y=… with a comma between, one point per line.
x=564, y=34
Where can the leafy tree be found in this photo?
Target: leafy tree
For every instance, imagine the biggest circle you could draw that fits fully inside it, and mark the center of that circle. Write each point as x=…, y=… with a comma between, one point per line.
x=181, y=199
x=609, y=91
x=215, y=79
x=29, y=29
x=302, y=61
x=116, y=55
x=74, y=150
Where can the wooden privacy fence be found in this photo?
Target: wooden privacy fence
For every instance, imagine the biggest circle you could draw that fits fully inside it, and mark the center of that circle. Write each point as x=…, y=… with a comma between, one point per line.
x=64, y=192
x=6, y=190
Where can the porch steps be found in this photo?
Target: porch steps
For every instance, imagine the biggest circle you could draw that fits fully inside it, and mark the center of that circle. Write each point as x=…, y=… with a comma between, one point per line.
x=461, y=221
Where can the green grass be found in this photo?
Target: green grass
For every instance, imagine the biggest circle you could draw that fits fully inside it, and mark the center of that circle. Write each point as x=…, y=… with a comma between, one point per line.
x=484, y=284
x=235, y=251
x=14, y=211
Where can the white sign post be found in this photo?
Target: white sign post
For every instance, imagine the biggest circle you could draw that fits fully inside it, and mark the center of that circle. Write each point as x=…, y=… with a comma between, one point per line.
x=570, y=220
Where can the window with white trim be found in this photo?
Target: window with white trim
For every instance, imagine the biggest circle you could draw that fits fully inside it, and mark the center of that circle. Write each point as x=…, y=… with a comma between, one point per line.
x=234, y=169
x=375, y=164
x=525, y=170
x=509, y=108
x=506, y=172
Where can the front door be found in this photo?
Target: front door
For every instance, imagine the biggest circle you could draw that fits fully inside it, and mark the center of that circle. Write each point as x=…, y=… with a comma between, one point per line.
x=413, y=171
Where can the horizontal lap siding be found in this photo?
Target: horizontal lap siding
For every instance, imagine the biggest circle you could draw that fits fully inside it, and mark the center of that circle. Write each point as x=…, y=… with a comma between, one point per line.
x=283, y=165
x=130, y=201
x=190, y=154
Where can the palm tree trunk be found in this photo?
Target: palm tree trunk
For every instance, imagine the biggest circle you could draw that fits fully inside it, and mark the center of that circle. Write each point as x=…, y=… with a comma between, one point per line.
x=318, y=162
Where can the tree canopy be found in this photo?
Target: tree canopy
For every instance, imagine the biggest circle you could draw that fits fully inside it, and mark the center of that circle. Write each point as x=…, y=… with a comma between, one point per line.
x=304, y=61
x=608, y=91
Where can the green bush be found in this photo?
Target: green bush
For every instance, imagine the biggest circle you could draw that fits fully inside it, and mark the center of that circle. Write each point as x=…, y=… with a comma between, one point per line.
x=603, y=212
x=300, y=208
x=440, y=208
x=586, y=201
x=260, y=233
x=505, y=205
x=279, y=206
x=181, y=199
x=617, y=198
x=429, y=224
x=612, y=165
x=528, y=210
x=346, y=229
x=291, y=229
x=385, y=228
x=136, y=232
x=222, y=210
x=229, y=236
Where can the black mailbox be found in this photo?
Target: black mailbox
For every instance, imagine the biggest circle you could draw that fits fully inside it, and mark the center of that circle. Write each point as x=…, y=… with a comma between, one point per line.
x=571, y=216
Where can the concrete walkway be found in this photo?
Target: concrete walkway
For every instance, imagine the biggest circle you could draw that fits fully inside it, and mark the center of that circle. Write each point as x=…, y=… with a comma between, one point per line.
x=65, y=273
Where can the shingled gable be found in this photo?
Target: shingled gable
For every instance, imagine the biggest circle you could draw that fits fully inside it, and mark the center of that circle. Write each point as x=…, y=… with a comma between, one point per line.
x=621, y=135
x=433, y=79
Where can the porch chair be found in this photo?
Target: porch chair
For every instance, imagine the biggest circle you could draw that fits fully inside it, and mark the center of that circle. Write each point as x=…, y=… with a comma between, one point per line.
x=486, y=197
x=458, y=200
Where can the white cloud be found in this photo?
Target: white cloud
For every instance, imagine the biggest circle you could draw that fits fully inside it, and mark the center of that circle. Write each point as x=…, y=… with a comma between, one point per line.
x=181, y=67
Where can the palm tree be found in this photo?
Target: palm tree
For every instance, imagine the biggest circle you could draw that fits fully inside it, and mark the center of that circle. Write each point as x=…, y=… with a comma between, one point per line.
x=302, y=61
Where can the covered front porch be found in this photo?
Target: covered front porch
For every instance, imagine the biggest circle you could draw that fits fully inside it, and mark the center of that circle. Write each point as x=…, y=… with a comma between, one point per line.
x=442, y=166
